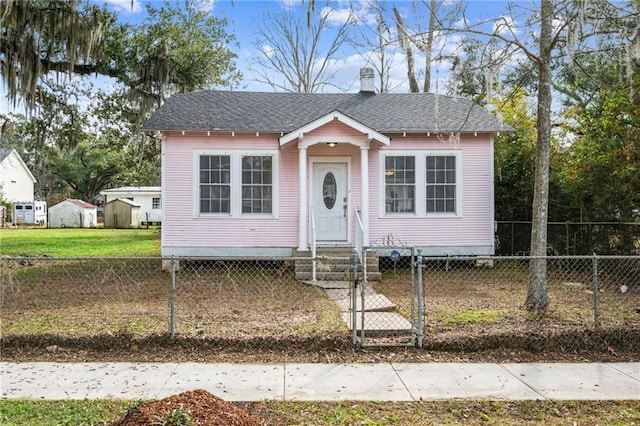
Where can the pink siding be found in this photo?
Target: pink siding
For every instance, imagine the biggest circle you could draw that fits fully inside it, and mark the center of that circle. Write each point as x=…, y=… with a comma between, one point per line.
x=183, y=228
x=476, y=225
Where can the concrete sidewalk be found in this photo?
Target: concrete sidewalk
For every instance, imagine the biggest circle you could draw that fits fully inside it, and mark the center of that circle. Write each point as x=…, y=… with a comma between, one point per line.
x=323, y=382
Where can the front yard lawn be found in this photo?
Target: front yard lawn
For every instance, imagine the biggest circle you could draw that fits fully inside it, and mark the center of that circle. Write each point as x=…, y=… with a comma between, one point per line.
x=79, y=242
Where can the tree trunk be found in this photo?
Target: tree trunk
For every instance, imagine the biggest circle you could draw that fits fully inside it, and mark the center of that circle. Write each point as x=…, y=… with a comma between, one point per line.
x=403, y=38
x=537, y=295
x=429, y=46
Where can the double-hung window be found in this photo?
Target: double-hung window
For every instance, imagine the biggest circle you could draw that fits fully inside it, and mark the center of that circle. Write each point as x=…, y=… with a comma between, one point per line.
x=235, y=183
x=155, y=202
x=400, y=177
x=424, y=183
x=215, y=184
x=441, y=184
x=257, y=184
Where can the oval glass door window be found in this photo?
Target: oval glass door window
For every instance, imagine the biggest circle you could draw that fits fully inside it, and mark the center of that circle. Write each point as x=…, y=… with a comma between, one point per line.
x=329, y=190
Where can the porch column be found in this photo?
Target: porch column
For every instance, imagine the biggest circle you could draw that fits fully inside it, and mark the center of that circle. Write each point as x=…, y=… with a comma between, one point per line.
x=303, y=244
x=364, y=191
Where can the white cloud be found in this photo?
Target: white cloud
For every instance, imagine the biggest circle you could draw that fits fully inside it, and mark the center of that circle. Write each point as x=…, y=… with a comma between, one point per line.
x=336, y=17
x=125, y=6
x=267, y=50
x=505, y=25
x=205, y=5
x=289, y=4
x=358, y=10
x=461, y=23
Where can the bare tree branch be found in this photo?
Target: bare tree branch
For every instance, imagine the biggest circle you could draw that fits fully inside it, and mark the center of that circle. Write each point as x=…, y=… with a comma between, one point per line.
x=296, y=57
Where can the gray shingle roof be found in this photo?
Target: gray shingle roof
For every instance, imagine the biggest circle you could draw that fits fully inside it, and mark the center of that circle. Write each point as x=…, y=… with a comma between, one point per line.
x=285, y=112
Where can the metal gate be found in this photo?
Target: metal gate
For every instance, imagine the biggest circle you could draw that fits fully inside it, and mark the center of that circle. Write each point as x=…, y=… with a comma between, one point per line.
x=379, y=319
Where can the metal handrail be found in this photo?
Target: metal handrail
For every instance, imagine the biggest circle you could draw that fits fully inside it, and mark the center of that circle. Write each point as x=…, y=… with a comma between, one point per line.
x=360, y=232
x=314, y=246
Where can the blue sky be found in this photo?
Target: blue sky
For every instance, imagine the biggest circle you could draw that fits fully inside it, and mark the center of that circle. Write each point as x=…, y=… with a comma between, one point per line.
x=245, y=15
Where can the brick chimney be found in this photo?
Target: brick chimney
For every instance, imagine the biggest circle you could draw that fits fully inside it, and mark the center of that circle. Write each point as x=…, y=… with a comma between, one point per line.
x=367, y=81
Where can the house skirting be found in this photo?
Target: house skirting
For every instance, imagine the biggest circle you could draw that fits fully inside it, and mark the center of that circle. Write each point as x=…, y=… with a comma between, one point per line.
x=228, y=252
x=288, y=252
x=439, y=251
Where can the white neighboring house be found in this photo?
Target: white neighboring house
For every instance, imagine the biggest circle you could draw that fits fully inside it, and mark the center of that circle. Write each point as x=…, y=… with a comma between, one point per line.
x=72, y=213
x=15, y=177
x=147, y=196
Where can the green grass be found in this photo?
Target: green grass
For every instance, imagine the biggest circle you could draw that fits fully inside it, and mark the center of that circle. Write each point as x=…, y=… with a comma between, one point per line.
x=452, y=412
x=47, y=413
x=67, y=242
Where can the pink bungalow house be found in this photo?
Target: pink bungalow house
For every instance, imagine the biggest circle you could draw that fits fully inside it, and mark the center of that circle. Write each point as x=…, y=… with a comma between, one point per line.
x=266, y=174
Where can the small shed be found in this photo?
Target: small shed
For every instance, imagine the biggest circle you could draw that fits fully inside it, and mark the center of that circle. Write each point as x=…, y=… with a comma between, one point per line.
x=72, y=213
x=121, y=213
x=149, y=198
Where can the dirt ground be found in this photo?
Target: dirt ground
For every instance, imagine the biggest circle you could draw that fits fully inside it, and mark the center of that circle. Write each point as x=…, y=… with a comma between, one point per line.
x=118, y=311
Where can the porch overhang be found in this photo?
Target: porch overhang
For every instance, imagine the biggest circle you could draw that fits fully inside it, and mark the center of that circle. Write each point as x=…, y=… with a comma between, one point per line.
x=369, y=134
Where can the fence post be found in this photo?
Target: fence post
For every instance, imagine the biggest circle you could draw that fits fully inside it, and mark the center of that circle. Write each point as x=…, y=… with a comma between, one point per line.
x=354, y=298
x=596, y=296
x=420, y=302
x=413, y=294
x=512, y=231
x=172, y=299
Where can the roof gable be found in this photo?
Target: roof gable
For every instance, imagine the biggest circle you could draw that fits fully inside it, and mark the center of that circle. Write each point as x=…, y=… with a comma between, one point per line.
x=6, y=152
x=83, y=204
x=78, y=203
x=125, y=201
x=332, y=116
x=284, y=113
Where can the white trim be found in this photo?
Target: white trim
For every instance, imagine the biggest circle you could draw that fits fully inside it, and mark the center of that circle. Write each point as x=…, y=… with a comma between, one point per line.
x=364, y=191
x=369, y=133
x=492, y=195
x=420, y=183
x=303, y=241
x=236, y=182
x=163, y=187
x=358, y=141
x=337, y=159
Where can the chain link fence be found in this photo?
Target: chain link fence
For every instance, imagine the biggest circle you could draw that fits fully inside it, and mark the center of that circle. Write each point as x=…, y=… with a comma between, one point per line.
x=470, y=304
x=513, y=238
x=478, y=303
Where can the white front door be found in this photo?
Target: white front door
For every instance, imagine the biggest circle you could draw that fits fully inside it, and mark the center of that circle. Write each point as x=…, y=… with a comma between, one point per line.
x=330, y=201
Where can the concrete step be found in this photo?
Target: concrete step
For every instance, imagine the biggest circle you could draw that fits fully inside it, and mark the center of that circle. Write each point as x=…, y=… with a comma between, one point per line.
x=333, y=263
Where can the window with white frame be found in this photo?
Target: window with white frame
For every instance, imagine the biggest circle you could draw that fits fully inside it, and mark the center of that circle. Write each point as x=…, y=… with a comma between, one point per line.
x=235, y=183
x=257, y=184
x=399, y=177
x=441, y=184
x=155, y=202
x=423, y=183
x=215, y=184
